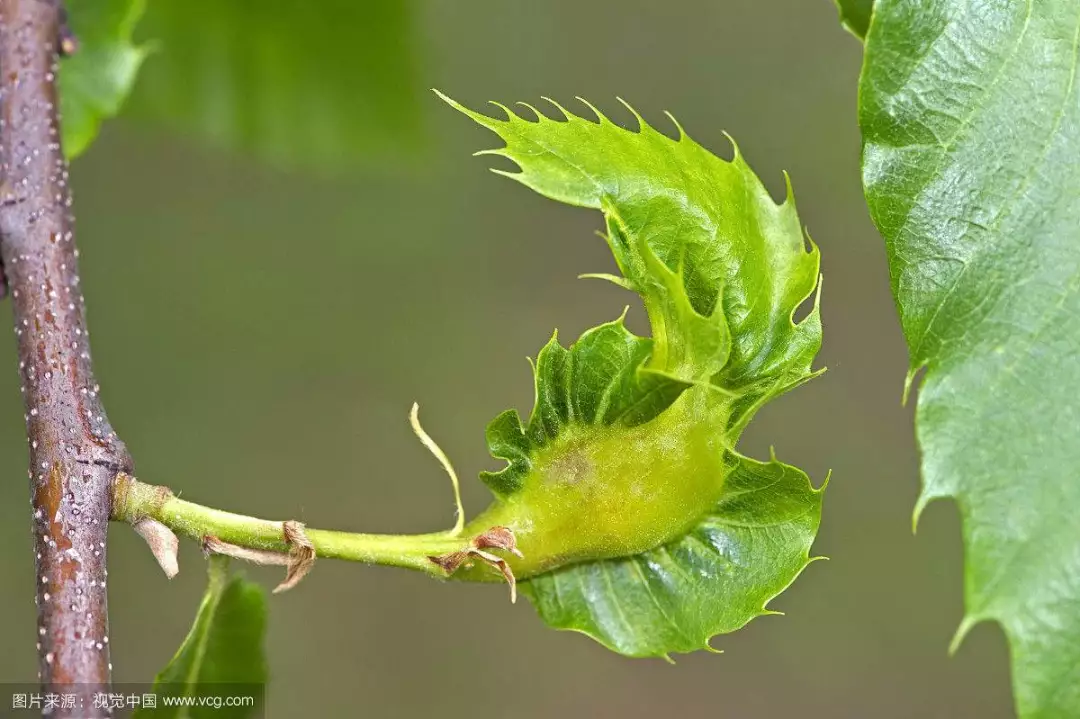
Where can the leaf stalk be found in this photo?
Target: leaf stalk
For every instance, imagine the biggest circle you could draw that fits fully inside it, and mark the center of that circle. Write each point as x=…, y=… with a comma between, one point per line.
x=134, y=501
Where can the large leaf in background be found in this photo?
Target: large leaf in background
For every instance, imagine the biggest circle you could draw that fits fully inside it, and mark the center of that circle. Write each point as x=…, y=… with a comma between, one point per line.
x=714, y=580
x=639, y=524
x=971, y=122
x=855, y=15
x=314, y=84
x=95, y=81
x=223, y=654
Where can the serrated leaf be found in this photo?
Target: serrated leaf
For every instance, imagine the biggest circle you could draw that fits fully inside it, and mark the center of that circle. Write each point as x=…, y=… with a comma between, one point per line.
x=855, y=15
x=691, y=233
x=713, y=580
x=600, y=380
x=96, y=79
x=630, y=445
x=315, y=85
x=223, y=653
x=971, y=123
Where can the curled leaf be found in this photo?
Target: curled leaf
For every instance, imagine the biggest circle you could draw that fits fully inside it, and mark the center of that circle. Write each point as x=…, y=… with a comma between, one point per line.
x=639, y=523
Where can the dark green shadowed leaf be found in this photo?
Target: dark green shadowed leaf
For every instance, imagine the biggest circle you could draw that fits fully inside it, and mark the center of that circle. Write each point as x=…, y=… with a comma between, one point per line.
x=317, y=85
x=714, y=580
x=223, y=654
x=855, y=15
x=970, y=115
x=638, y=523
x=96, y=79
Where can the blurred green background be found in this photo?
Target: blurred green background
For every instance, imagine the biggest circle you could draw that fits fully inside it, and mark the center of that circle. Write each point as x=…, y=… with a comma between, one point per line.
x=260, y=334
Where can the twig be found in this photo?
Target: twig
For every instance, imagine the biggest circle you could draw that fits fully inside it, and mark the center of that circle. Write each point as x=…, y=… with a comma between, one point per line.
x=456, y=553
x=259, y=540
x=74, y=453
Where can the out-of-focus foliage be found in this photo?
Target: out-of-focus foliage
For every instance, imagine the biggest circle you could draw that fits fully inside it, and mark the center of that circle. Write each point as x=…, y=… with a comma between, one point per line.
x=310, y=84
x=316, y=86
x=96, y=79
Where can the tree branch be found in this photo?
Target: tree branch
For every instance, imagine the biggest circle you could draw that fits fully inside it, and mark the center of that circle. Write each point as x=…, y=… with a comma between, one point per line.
x=74, y=453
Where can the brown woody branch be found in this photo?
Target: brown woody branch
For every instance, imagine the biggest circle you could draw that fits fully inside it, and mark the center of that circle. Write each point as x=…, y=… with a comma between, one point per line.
x=74, y=453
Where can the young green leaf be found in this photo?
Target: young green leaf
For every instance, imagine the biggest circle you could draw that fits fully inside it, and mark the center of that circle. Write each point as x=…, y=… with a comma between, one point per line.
x=625, y=476
x=315, y=85
x=713, y=580
x=600, y=380
x=221, y=656
x=855, y=15
x=96, y=79
x=971, y=123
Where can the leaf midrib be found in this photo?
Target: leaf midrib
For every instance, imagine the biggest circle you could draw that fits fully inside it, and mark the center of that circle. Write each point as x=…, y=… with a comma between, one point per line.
x=203, y=641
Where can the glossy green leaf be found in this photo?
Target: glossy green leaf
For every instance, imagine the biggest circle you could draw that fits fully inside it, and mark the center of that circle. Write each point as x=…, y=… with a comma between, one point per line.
x=971, y=122
x=327, y=84
x=628, y=456
x=713, y=580
x=855, y=15
x=223, y=654
x=96, y=79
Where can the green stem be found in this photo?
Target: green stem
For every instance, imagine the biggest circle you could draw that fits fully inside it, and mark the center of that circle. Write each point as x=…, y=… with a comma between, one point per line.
x=134, y=500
